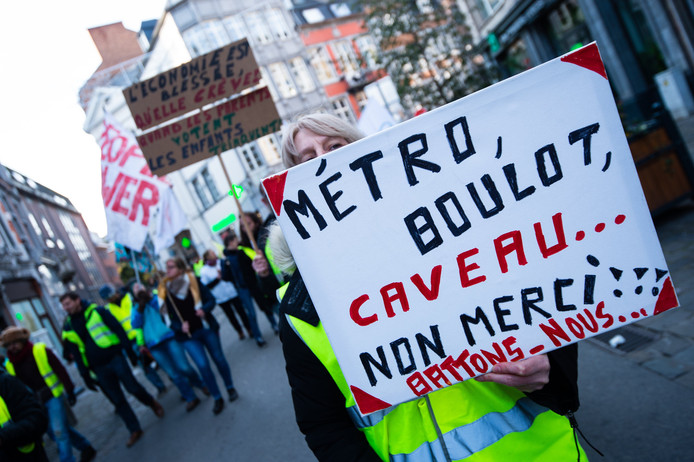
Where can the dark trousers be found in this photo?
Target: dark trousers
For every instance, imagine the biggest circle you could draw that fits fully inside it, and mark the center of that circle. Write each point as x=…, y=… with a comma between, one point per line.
x=240, y=312
x=110, y=376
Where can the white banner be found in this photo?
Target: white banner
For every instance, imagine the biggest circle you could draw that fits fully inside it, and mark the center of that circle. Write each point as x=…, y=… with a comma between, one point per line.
x=503, y=225
x=129, y=190
x=170, y=221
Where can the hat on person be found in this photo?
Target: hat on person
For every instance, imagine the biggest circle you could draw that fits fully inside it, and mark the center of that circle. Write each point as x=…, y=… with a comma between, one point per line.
x=105, y=291
x=13, y=334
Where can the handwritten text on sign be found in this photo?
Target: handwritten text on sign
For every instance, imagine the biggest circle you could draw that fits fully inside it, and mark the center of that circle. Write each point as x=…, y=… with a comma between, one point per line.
x=503, y=225
x=204, y=80
x=228, y=125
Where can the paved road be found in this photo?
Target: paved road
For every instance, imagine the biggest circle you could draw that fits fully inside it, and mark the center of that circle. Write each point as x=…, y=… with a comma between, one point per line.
x=636, y=405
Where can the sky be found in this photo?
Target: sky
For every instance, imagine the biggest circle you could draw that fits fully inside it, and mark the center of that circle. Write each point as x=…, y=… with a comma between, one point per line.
x=47, y=54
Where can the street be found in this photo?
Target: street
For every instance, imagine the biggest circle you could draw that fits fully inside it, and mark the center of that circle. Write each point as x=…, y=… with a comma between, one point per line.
x=635, y=405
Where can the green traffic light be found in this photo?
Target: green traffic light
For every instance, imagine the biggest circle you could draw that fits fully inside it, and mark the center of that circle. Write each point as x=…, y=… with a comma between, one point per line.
x=236, y=190
x=224, y=223
x=185, y=242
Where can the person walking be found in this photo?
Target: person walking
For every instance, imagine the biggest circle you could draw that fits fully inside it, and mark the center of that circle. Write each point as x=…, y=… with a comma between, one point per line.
x=225, y=293
x=156, y=337
x=518, y=411
x=40, y=369
x=263, y=293
x=120, y=303
x=22, y=422
x=237, y=267
x=97, y=340
x=189, y=304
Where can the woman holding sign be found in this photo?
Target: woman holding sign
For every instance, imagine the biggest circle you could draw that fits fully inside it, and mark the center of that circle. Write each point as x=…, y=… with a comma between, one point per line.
x=518, y=411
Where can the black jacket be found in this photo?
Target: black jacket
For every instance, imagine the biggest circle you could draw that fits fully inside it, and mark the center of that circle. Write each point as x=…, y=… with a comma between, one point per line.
x=320, y=406
x=29, y=422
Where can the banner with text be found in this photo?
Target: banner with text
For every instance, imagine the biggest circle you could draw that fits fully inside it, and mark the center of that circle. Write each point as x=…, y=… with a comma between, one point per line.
x=503, y=225
x=192, y=85
x=129, y=190
x=228, y=125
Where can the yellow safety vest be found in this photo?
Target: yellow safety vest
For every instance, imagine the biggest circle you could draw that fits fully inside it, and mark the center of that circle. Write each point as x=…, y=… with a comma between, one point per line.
x=122, y=313
x=41, y=358
x=471, y=420
x=100, y=333
x=5, y=418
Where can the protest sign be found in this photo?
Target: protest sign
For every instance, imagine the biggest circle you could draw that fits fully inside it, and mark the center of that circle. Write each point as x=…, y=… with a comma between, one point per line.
x=208, y=78
x=129, y=190
x=228, y=125
x=503, y=225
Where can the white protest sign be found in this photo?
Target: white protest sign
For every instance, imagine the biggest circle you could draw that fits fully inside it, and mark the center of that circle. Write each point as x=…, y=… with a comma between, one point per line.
x=503, y=225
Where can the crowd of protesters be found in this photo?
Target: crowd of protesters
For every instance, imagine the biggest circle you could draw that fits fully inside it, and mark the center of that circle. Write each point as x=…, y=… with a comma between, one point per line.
x=170, y=327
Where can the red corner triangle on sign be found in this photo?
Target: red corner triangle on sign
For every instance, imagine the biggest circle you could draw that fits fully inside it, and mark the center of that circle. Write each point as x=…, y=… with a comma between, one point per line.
x=667, y=298
x=367, y=403
x=588, y=57
x=274, y=186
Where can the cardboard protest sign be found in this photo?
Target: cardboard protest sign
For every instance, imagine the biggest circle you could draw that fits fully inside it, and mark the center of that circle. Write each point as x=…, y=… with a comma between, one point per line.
x=129, y=190
x=192, y=85
x=228, y=125
x=503, y=225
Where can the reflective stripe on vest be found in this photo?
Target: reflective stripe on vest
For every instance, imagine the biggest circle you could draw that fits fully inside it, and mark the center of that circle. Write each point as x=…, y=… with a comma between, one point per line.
x=250, y=253
x=471, y=420
x=122, y=313
x=99, y=332
x=5, y=418
x=49, y=377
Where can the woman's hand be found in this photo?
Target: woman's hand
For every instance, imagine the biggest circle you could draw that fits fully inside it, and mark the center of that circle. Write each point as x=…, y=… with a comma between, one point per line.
x=185, y=327
x=199, y=313
x=261, y=266
x=527, y=375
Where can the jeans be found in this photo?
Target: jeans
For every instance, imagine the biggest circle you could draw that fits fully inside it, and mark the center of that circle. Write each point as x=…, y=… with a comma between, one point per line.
x=201, y=340
x=110, y=376
x=235, y=304
x=60, y=431
x=247, y=301
x=171, y=357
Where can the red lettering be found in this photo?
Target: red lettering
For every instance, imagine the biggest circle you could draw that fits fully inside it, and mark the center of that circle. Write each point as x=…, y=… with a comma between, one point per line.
x=600, y=314
x=460, y=362
x=418, y=385
x=133, y=151
x=123, y=193
x=354, y=312
x=464, y=269
x=479, y=363
x=554, y=331
x=502, y=251
x=436, y=375
x=449, y=364
x=592, y=326
x=558, y=231
x=497, y=358
x=145, y=202
x=433, y=293
x=508, y=343
x=575, y=328
x=398, y=295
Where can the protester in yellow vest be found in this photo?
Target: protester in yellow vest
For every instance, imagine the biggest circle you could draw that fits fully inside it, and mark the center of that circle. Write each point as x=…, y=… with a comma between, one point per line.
x=120, y=304
x=22, y=422
x=40, y=369
x=96, y=340
x=502, y=416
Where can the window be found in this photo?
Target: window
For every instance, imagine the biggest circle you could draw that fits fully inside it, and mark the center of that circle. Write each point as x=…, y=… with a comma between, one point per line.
x=209, y=182
x=83, y=252
x=265, y=80
x=322, y=63
x=312, y=15
x=342, y=109
x=367, y=49
x=251, y=155
x=345, y=56
x=258, y=27
x=202, y=193
x=47, y=227
x=34, y=224
x=278, y=24
x=486, y=7
x=205, y=37
x=340, y=9
x=282, y=79
x=235, y=27
x=301, y=75
x=30, y=313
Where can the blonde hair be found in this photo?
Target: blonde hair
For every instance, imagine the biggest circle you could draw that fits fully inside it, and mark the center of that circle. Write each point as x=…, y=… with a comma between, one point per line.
x=320, y=124
x=281, y=255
